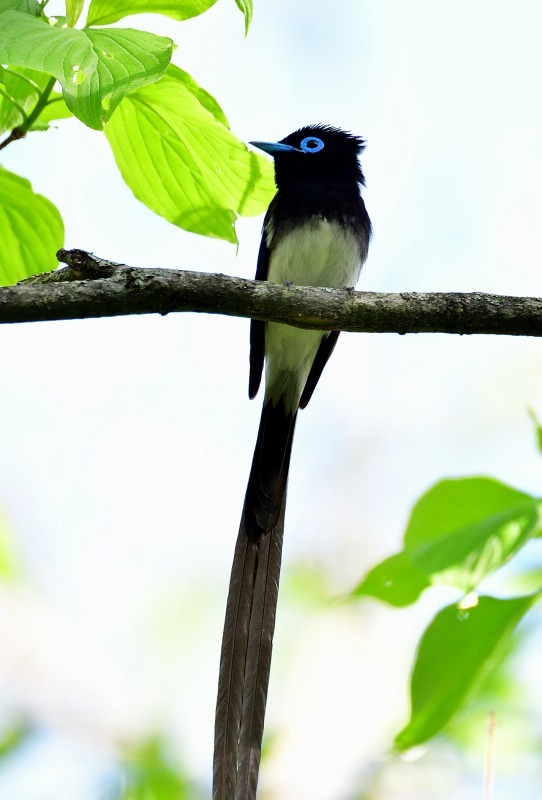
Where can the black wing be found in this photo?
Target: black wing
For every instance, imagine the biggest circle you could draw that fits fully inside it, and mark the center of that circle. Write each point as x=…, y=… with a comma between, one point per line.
x=257, y=328
x=326, y=348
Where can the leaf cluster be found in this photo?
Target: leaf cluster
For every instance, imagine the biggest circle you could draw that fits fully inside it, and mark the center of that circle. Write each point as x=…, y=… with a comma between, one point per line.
x=459, y=533
x=170, y=138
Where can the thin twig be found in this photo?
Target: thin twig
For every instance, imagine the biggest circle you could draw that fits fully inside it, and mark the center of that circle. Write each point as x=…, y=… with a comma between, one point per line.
x=489, y=758
x=15, y=134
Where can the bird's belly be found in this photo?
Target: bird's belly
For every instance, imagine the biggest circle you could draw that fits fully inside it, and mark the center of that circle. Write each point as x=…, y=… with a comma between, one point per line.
x=289, y=356
x=318, y=253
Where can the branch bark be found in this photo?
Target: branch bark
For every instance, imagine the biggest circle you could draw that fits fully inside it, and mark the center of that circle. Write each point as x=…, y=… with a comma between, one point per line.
x=90, y=287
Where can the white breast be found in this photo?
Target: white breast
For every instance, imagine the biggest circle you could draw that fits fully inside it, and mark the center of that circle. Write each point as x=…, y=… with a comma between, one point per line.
x=319, y=253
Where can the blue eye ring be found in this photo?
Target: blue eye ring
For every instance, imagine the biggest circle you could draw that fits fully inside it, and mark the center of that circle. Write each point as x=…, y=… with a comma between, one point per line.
x=312, y=144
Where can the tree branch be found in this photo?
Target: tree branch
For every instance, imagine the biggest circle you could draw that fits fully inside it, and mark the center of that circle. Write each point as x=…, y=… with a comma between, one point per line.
x=91, y=287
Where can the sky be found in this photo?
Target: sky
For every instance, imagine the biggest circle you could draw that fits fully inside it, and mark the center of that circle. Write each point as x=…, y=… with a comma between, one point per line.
x=126, y=443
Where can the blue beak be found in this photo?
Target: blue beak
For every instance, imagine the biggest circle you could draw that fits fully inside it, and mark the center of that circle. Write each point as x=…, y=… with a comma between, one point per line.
x=274, y=147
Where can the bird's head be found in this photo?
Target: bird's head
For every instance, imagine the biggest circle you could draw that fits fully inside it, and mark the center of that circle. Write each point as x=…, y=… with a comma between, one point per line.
x=316, y=153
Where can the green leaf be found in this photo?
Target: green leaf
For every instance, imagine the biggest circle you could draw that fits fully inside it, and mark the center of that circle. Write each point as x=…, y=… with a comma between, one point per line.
x=459, y=503
x=55, y=109
x=396, y=581
x=501, y=690
x=177, y=156
x=247, y=8
x=31, y=230
x=20, y=90
x=24, y=6
x=459, y=532
x=462, y=530
x=96, y=68
x=73, y=11
x=457, y=651
x=103, y=12
x=207, y=100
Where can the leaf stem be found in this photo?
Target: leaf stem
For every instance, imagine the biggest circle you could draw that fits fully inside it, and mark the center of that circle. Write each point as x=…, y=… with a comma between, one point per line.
x=20, y=131
x=54, y=100
x=42, y=102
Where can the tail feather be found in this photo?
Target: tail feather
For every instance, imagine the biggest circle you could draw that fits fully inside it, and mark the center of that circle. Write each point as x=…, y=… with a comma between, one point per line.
x=247, y=642
x=232, y=666
x=258, y=662
x=269, y=472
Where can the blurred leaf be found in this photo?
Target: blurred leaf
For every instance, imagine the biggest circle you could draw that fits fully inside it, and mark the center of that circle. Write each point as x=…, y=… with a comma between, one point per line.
x=12, y=738
x=177, y=156
x=31, y=230
x=306, y=585
x=151, y=777
x=462, y=530
x=396, y=580
x=103, y=12
x=537, y=428
x=526, y=581
x=9, y=564
x=456, y=652
x=499, y=690
x=96, y=68
x=73, y=11
x=247, y=8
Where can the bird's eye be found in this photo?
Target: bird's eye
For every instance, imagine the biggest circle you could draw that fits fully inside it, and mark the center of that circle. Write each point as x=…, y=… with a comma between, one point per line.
x=312, y=145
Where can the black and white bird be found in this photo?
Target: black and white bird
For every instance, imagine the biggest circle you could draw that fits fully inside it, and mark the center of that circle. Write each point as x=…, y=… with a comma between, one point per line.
x=315, y=233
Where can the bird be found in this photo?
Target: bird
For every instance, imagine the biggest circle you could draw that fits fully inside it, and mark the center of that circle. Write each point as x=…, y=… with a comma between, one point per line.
x=316, y=232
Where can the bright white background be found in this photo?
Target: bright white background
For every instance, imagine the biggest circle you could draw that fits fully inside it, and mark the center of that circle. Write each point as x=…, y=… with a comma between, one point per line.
x=125, y=444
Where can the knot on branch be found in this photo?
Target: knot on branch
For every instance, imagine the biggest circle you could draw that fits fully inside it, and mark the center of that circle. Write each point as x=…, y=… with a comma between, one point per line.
x=85, y=266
